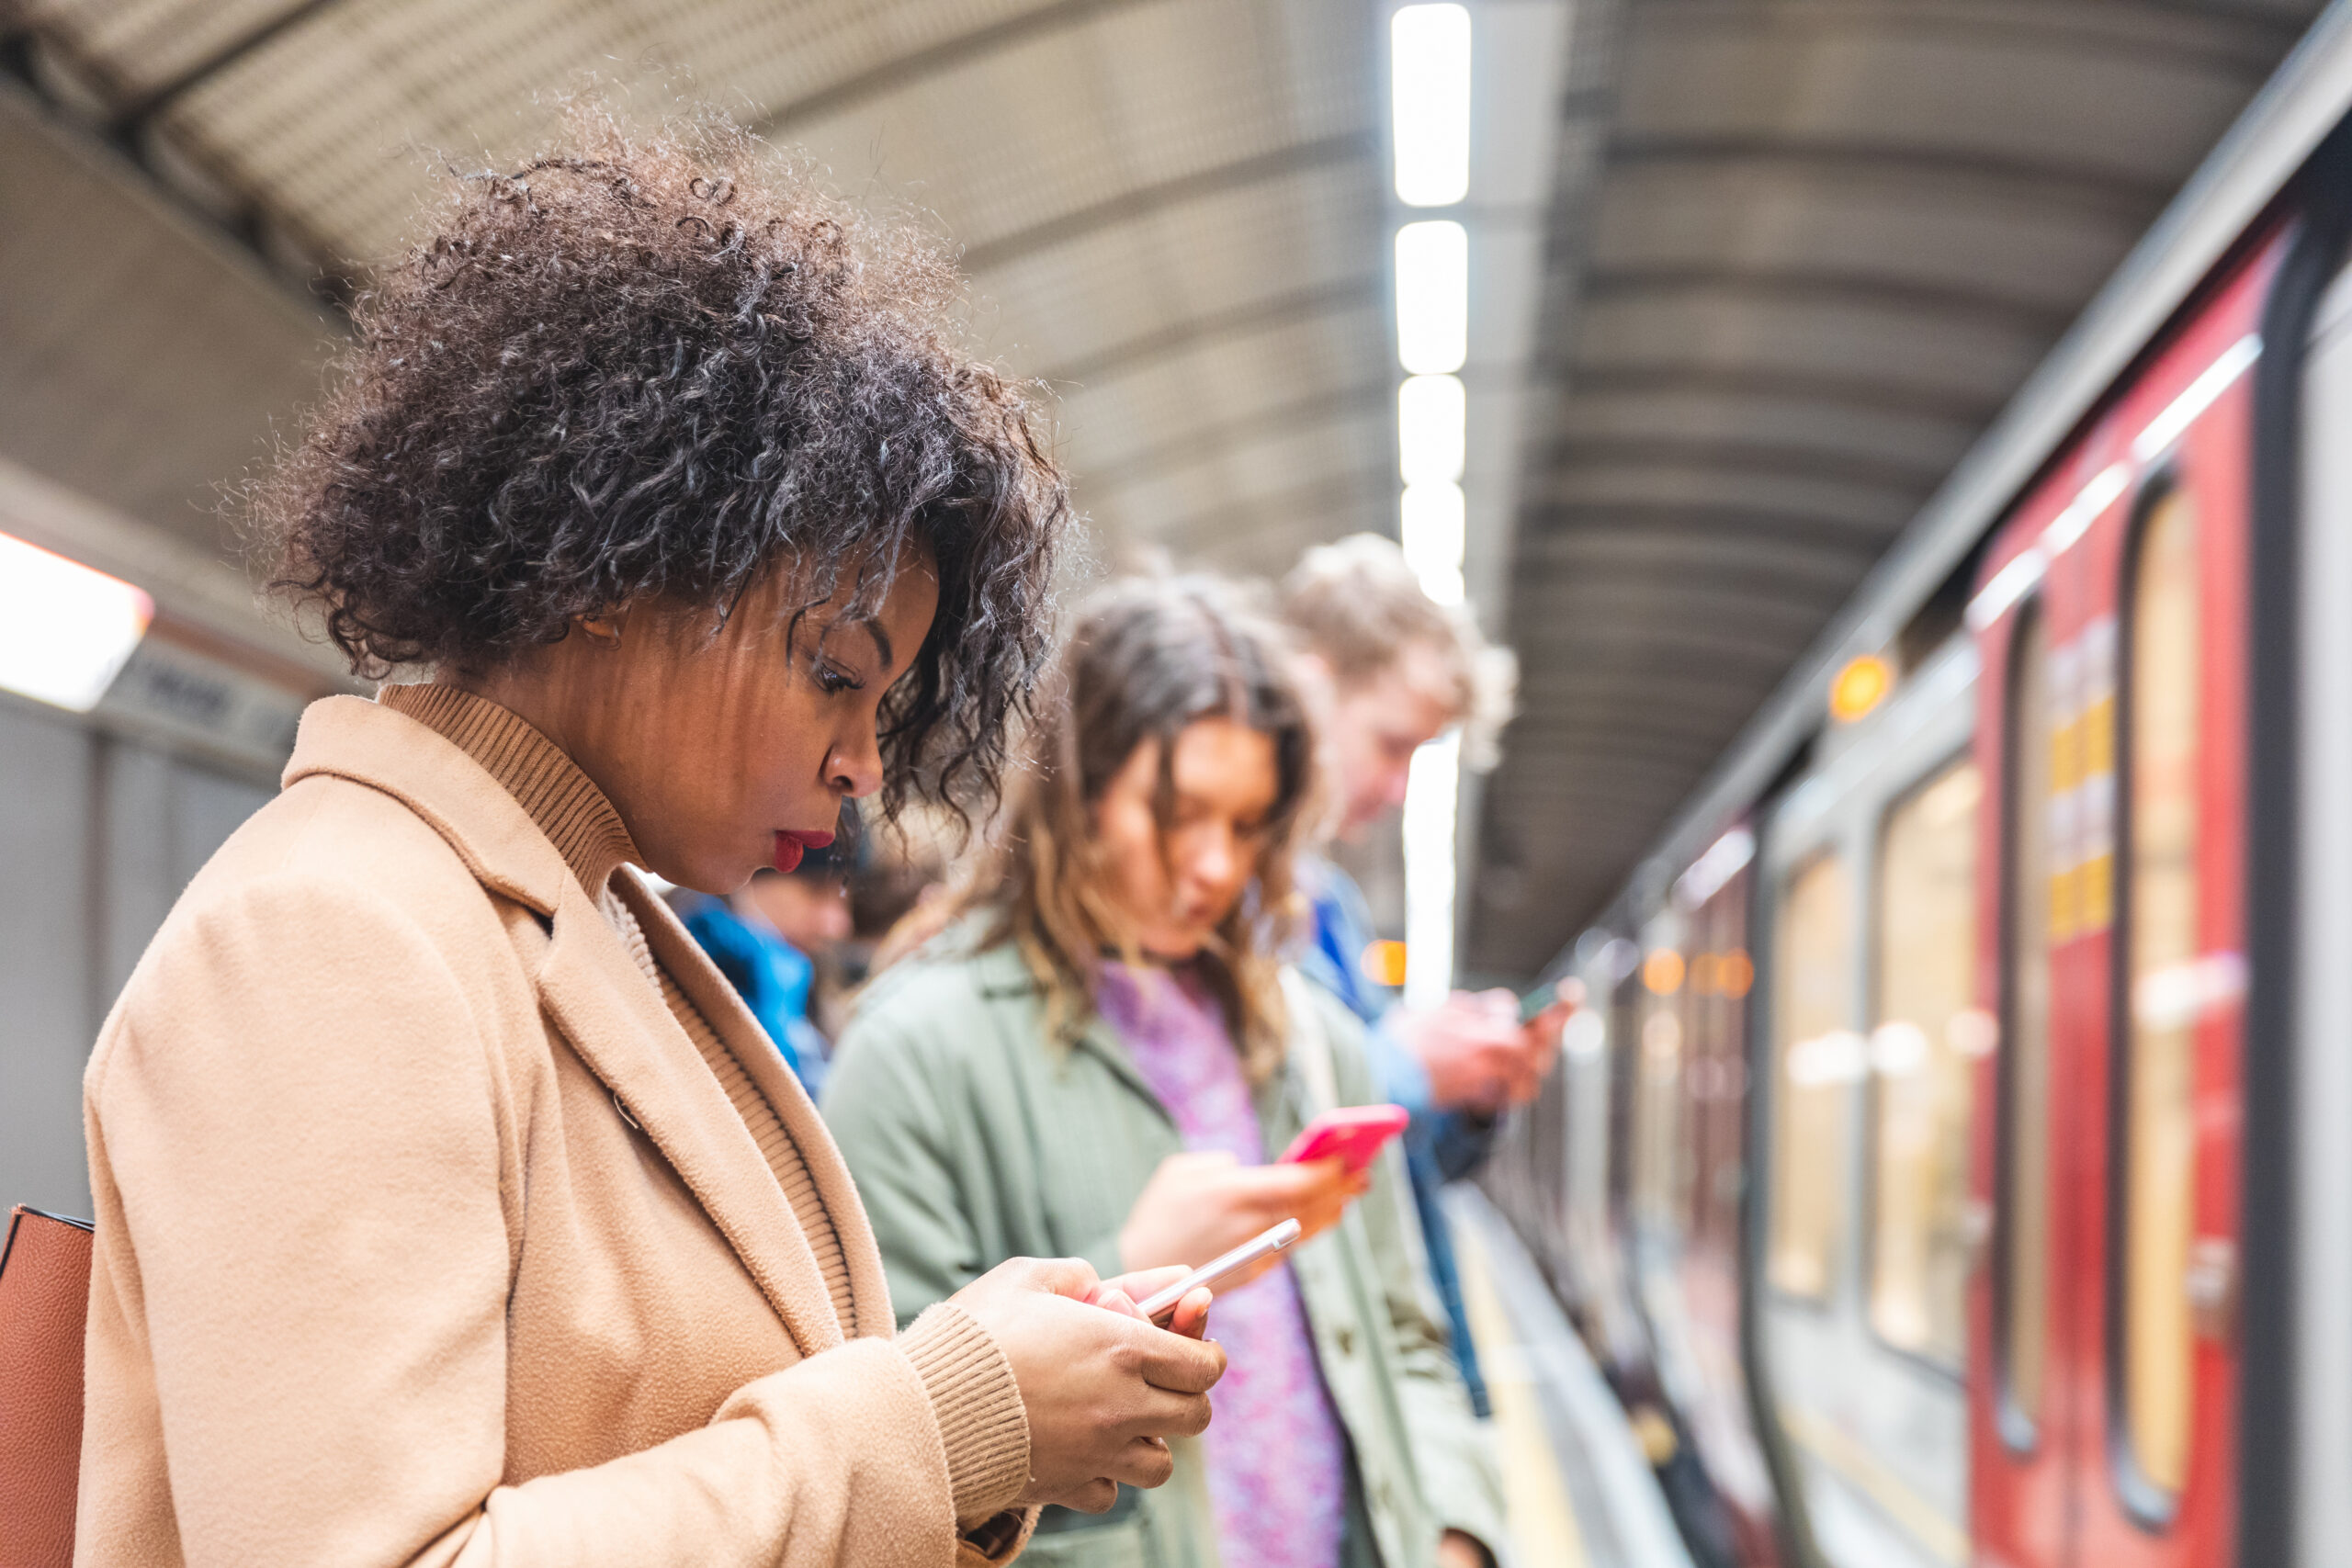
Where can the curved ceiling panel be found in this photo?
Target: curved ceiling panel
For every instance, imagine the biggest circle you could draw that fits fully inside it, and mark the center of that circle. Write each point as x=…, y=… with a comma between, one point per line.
x=1820, y=243
x=1792, y=256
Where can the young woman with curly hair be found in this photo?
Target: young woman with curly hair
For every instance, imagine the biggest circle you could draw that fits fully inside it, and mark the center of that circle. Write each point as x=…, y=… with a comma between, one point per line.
x=1102, y=1056
x=451, y=1208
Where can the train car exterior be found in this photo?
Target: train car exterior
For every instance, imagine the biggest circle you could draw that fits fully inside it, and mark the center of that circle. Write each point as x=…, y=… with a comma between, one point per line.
x=2000, y=1213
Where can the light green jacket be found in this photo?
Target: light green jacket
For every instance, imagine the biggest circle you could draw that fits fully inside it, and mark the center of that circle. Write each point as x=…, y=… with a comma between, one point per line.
x=974, y=1139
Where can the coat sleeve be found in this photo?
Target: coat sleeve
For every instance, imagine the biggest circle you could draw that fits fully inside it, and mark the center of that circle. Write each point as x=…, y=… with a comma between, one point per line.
x=884, y=1106
x=309, y=1205
x=1461, y=1478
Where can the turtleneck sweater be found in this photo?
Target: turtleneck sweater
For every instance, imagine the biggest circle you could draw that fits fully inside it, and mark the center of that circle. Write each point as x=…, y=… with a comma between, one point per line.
x=970, y=1384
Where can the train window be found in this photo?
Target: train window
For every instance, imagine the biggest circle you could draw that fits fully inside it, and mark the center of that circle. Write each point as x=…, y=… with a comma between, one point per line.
x=1817, y=1058
x=2160, y=946
x=1923, y=1051
x=1659, y=1152
x=2021, y=1269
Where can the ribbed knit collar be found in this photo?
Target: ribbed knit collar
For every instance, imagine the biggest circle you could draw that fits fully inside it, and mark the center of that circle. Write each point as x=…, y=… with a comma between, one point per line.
x=549, y=785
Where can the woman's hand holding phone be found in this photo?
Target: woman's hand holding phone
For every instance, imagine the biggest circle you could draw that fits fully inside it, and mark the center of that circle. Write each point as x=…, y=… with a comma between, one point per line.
x=1125, y=1293
x=1103, y=1390
x=1198, y=1205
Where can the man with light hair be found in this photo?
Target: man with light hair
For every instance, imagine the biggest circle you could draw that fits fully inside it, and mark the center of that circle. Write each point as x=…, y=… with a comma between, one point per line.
x=1390, y=670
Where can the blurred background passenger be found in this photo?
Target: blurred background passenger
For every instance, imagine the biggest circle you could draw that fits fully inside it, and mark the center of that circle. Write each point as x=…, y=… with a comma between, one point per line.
x=1100, y=1055
x=449, y=1205
x=1388, y=669
x=770, y=938
x=896, y=894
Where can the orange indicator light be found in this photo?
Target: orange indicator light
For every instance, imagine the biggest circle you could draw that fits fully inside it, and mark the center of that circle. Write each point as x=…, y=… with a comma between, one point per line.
x=1861, y=686
x=1662, y=971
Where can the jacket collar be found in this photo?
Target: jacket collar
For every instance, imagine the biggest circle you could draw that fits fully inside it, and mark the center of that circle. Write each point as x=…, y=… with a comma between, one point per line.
x=353, y=738
x=601, y=1002
x=1283, y=1102
x=1000, y=973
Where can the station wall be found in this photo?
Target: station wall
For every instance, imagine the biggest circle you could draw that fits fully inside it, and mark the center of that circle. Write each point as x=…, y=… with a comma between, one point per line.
x=99, y=831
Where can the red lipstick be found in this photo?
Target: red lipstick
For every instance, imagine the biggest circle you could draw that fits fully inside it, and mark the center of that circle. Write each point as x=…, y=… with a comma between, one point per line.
x=791, y=845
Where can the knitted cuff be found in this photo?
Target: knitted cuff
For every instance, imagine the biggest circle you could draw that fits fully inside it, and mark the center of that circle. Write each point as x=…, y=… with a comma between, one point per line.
x=979, y=1407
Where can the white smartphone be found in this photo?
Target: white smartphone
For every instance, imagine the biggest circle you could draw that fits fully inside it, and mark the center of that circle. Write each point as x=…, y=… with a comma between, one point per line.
x=1160, y=1304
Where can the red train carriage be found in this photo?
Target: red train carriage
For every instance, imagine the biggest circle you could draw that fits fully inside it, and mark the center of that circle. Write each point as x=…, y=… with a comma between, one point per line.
x=1960, y=1155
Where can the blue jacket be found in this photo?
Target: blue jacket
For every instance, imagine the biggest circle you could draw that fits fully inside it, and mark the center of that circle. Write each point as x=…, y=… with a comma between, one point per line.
x=1440, y=1145
x=774, y=979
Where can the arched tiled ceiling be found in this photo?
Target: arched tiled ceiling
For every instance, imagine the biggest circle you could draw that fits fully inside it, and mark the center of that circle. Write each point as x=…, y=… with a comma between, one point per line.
x=1806, y=251
x=1799, y=252
x=1170, y=209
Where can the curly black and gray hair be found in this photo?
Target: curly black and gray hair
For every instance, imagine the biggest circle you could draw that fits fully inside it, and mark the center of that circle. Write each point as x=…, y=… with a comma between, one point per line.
x=662, y=364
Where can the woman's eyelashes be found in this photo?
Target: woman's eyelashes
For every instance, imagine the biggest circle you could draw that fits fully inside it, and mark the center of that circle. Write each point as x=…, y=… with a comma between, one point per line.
x=833, y=680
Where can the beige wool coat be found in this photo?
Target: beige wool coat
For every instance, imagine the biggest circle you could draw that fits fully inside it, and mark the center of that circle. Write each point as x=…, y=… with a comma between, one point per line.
x=424, y=1235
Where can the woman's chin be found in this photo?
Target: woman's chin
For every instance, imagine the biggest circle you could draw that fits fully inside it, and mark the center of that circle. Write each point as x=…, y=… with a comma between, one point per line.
x=717, y=875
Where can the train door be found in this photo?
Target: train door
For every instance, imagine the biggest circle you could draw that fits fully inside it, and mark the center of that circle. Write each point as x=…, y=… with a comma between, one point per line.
x=1872, y=1028
x=1690, y=1131
x=2111, y=621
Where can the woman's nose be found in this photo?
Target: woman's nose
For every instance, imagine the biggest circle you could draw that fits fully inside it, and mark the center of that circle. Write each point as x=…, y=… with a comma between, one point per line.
x=854, y=764
x=1215, y=857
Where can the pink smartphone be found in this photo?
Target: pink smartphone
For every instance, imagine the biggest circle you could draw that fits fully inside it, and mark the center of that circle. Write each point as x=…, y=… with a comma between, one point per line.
x=1356, y=1134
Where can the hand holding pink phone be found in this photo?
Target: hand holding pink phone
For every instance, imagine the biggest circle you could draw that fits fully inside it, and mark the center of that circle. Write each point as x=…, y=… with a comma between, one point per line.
x=1354, y=1134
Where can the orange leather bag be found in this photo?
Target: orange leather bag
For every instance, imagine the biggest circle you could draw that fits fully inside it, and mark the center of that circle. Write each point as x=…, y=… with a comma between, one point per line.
x=44, y=1301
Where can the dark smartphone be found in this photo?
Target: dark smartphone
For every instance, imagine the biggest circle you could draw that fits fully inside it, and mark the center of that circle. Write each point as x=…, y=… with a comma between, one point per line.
x=1552, y=993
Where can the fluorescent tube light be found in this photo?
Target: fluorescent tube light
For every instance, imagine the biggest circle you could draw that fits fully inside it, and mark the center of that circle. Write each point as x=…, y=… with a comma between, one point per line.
x=65, y=630
x=1432, y=297
x=1429, y=76
x=1432, y=418
x=1429, y=791
x=1432, y=527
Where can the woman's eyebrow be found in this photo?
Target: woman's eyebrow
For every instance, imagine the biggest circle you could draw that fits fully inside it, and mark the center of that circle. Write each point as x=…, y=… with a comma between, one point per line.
x=871, y=625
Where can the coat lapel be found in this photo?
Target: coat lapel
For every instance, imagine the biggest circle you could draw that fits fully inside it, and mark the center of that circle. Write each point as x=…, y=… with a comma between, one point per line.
x=617, y=1022
x=677, y=952
x=605, y=1009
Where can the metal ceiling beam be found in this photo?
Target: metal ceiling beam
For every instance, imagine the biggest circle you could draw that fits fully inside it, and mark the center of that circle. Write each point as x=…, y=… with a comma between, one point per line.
x=1127, y=207
x=1284, y=419
x=1673, y=544
x=1640, y=637
x=1720, y=601
x=1281, y=512
x=1803, y=532
x=250, y=222
x=1621, y=794
x=131, y=118
x=1863, y=393
x=1598, y=481
x=1838, y=290
x=2043, y=181
x=1533, y=738
x=2086, y=28
x=920, y=65
x=1782, y=459
x=1712, y=687
x=1258, y=315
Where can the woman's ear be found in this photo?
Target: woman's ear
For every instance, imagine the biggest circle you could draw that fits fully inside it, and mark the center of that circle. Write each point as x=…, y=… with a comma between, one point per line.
x=605, y=625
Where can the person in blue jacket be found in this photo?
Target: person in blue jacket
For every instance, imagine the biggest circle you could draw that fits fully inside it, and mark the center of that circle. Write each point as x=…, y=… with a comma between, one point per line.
x=765, y=939
x=1393, y=669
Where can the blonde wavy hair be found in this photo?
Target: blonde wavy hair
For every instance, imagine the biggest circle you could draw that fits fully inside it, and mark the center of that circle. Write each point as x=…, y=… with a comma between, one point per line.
x=1145, y=659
